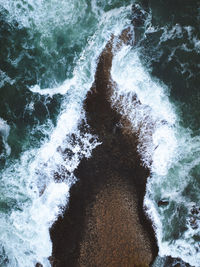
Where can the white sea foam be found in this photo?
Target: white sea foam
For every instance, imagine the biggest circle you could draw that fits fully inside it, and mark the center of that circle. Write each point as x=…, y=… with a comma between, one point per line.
x=153, y=117
x=56, y=90
x=39, y=198
x=4, y=78
x=45, y=15
x=111, y=22
x=164, y=147
x=177, y=32
x=173, y=187
x=4, y=132
x=30, y=182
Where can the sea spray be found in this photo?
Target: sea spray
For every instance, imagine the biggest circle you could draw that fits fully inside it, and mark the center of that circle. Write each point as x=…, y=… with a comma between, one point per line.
x=167, y=149
x=4, y=132
x=39, y=199
x=37, y=184
x=152, y=116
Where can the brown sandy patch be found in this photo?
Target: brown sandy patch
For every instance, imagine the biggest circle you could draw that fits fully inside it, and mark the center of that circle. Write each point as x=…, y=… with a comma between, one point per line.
x=114, y=236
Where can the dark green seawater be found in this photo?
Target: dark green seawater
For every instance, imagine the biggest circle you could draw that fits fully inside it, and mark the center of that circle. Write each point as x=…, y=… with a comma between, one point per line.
x=48, y=55
x=171, y=49
x=172, y=52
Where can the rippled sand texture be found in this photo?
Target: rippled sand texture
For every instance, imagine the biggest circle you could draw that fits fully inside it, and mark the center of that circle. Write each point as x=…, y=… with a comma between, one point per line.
x=114, y=235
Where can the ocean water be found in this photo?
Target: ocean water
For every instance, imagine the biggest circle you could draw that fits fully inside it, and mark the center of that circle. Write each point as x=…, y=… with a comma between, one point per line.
x=49, y=52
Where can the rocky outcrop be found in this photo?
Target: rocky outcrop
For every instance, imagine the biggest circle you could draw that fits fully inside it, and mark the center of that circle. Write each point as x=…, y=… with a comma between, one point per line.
x=104, y=223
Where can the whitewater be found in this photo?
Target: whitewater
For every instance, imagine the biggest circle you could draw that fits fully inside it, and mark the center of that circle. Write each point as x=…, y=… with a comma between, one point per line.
x=67, y=38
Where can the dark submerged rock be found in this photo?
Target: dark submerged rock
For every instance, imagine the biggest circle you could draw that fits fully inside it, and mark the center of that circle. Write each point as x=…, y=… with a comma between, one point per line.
x=194, y=217
x=175, y=262
x=163, y=202
x=139, y=15
x=145, y=4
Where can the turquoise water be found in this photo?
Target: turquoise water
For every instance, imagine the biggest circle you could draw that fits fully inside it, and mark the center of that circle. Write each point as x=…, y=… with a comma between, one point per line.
x=49, y=51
